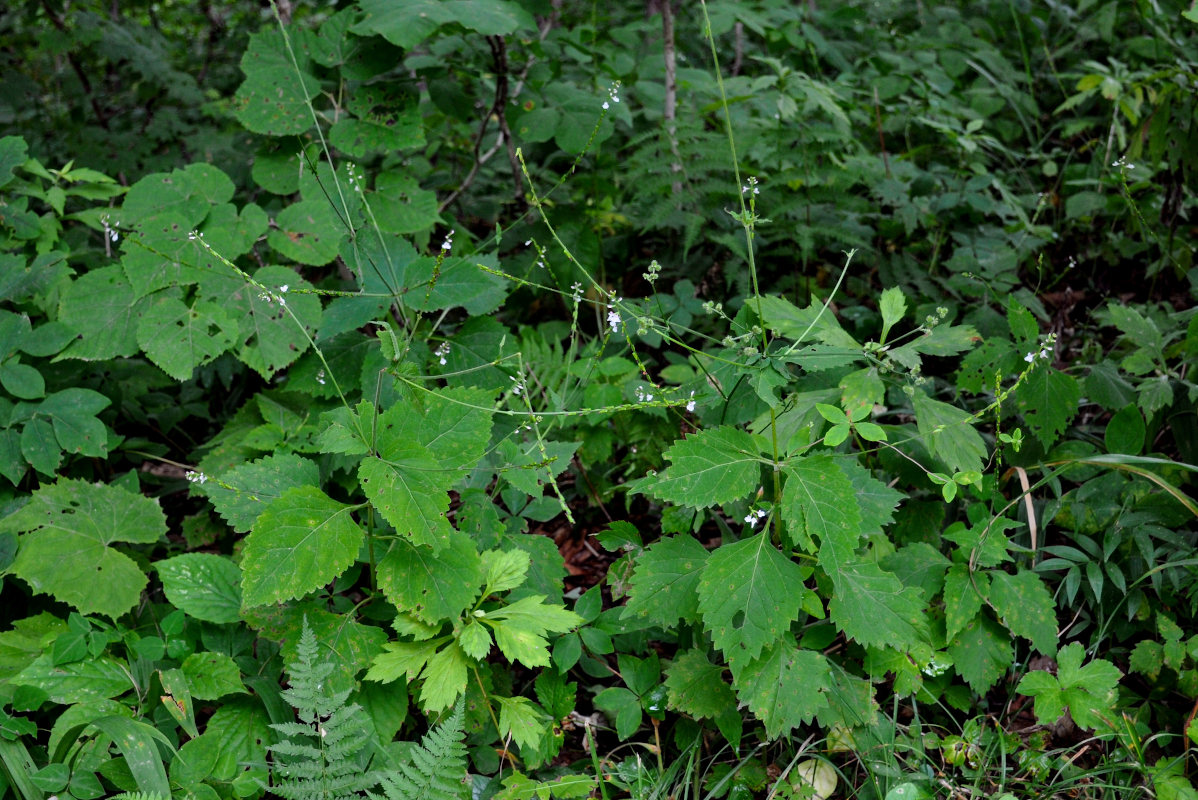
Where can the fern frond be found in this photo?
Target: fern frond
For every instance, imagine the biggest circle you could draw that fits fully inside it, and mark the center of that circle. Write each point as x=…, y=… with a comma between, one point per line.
x=437, y=769
x=138, y=796
x=323, y=756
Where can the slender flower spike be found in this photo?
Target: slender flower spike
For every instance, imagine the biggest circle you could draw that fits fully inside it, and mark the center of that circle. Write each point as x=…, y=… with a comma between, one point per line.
x=196, y=477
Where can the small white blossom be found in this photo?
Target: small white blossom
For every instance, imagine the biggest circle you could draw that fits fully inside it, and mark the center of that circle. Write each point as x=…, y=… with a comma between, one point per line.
x=690, y=404
x=448, y=243
x=196, y=477
x=441, y=352
x=1030, y=357
x=320, y=377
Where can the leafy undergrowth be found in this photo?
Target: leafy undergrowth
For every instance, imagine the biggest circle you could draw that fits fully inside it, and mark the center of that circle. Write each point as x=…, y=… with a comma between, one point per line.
x=495, y=399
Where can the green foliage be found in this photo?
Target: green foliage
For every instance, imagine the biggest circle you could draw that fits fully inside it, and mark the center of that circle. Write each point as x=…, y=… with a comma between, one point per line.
x=354, y=350
x=322, y=754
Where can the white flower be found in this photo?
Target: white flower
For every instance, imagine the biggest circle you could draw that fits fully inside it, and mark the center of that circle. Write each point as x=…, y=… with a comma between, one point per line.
x=1030, y=357
x=448, y=243
x=613, y=319
x=320, y=377
x=441, y=352
x=196, y=477
x=690, y=404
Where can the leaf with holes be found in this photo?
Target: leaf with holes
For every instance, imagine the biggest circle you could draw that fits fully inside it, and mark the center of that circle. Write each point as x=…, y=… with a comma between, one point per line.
x=66, y=529
x=271, y=335
x=666, y=581
x=786, y=687
x=432, y=586
x=302, y=541
x=274, y=97
x=749, y=595
x=818, y=500
x=875, y=608
x=707, y=468
x=178, y=338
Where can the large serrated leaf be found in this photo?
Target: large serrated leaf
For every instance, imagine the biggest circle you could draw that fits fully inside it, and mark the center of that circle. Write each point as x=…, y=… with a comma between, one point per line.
x=433, y=586
x=666, y=581
x=409, y=491
x=749, y=595
x=949, y=432
x=302, y=541
x=407, y=24
x=271, y=335
x=875, y=608
x=981, y=652
x=1048, y=399
x=242, y=493
x=66, y=529
x=707, y=468
x=274, y=97
x=696, y=687
x=786, y=687
x=103, y=309
x=1026, y=607
x=818, y=500
x=178, y=338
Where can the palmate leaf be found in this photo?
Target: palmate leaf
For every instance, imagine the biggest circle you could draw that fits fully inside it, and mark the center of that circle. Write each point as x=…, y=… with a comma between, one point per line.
x=1088, y=692
x=707, y=468
x=520, y=628
x=66, y=529
x=749, y=595
x=785, y=687
x=302, y=541
x=666, y=581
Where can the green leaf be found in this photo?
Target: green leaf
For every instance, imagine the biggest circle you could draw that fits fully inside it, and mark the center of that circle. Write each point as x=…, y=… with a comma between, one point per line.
x=408, y=24
x=309, y=232
x=749, y=595
x=21, y=380
x=64, y=550
x=950, y=434
x=982, y=652
x=435, y=586
x=696, y=687
x=875, y=608
x=139, y=743
x=202, y=585
x=623, y=707
x=302, y=541
x=274, y=97
x=893, y=305
x=785, y=687
x=818, y=500
x=1125, y=432
x=104, y=310
x=178, y=338
x=962, y=601
x=520, y=628
x=212, y=675
x=707, y=468
x=1088, y=692
x=244, y=492
x=1048, y=399
x=475, y=640
x=409, y=489
x=403, y=659
x=519, y=719
x=1026, y=607
x=454, y=424
x=387, y=131
x=77, y=682
x=506, y=569
x=445, y=678
x=459, y=282
x=270, y=336
x=665, y=583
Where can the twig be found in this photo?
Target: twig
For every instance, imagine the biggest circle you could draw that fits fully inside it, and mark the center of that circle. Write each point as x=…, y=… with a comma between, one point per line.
x=738, y=33
x=670, y=111
x=881, y=138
